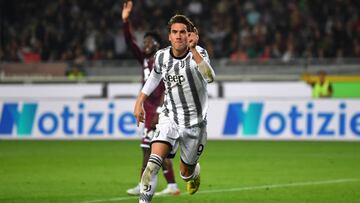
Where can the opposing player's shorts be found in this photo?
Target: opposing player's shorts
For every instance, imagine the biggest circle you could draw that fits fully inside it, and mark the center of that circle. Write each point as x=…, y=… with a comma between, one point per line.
x=191, y=140
x=150, y=120
x=149, y=128
x=146, y=138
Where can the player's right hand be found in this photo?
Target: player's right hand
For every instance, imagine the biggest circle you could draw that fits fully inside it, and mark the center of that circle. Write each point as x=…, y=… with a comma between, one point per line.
x=127, y=7
x=193, y=38
x=139, y=113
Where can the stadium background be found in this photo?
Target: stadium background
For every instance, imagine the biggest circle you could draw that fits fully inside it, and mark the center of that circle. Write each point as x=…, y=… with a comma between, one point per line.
x=269, y=140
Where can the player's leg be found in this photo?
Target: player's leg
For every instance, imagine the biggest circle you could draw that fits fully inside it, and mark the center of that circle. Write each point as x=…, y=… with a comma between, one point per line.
x=145, y=146
x=164, y=142
x=168, y=171
x=159, y=151
x=192, y=143
x=190, y=174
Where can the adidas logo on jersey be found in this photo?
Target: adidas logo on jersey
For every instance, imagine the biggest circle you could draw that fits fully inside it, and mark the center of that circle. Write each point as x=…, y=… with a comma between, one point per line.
x=178, y=79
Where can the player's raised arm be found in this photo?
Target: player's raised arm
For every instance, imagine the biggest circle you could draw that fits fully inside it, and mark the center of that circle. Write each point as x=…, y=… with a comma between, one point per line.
x=130, y=40
x=127, y=7
x=204, y=66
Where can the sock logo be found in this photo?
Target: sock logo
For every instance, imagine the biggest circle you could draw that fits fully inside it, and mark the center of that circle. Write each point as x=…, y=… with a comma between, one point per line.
x=147, y=188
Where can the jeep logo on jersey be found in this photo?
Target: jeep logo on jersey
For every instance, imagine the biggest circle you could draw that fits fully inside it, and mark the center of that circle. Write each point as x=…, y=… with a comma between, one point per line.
x=175, y=78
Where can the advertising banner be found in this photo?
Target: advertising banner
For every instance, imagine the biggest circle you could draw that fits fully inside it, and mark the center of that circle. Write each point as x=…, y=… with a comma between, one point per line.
x=82, y=119
x=268, y=119
x=285, y=119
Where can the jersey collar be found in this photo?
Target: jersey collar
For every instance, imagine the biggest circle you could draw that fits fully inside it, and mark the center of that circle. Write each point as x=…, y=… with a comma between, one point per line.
x=181, y=57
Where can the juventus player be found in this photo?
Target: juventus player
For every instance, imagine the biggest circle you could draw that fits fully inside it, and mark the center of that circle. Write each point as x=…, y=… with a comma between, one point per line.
x=146, y=59
x=184, y=67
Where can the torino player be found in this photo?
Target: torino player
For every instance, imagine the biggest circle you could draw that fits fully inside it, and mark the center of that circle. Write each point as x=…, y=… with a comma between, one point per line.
x=184, y=67
x=146, y=59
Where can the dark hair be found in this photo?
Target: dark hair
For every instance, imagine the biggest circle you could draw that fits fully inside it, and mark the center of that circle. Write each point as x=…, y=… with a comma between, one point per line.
x=181, y=19
x=155, y=35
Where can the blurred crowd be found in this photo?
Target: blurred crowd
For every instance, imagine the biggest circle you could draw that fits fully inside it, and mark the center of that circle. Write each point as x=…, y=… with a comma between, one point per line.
x=88, y=30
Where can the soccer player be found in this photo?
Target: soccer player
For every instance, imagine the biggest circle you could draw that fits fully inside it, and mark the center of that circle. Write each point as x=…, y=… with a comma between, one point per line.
x=185, y=69
x=152, y=42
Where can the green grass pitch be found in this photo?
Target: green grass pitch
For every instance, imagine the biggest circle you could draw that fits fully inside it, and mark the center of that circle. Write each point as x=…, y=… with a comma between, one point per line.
x=232, y=171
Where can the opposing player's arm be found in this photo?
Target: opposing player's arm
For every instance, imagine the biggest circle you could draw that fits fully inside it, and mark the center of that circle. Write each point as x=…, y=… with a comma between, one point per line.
x=202, y=60
x=127, y=7
x=129, y=37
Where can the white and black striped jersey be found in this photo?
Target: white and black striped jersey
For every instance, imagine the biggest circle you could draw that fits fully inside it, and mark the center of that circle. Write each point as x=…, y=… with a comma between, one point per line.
x=186, y=98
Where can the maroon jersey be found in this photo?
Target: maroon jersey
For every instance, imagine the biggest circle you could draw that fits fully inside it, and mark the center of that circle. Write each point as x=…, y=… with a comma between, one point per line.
x=153, y=101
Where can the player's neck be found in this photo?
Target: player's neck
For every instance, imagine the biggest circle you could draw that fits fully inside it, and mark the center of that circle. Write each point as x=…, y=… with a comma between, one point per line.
x=179, y=54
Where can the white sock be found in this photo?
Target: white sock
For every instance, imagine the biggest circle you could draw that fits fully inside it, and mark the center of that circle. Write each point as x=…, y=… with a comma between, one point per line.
x=172, y=186
x=149, y=178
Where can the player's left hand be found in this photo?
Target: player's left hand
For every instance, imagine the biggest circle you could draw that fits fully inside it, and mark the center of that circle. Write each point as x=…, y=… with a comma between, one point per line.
x=193, y=38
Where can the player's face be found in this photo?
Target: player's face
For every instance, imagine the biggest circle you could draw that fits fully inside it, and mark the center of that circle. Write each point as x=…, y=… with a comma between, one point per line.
x=178, y=38
x=150, y=45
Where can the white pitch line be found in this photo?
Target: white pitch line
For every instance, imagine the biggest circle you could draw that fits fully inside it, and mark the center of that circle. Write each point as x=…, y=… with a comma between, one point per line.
x=259, y=187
